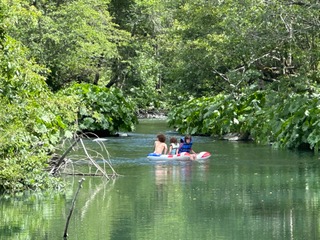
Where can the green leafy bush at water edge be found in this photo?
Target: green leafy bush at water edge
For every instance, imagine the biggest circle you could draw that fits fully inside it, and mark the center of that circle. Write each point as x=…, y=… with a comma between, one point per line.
x=290, y=121
x=100, y=108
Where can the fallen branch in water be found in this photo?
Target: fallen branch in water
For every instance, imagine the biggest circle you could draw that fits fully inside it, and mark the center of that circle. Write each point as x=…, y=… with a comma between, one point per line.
x=88, y=156
x=61, y=159
x=93, y=162
x=65, y=235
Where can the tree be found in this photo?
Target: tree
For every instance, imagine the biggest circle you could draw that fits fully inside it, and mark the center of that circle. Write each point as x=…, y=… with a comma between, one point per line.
x=75, y=40
x=138, y=70
x=32, y=121
x=228, y=45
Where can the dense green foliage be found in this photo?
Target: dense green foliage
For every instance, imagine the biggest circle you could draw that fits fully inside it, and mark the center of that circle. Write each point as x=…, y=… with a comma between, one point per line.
x=256, y=63
x=250, y=67
x=100, y=108
x=30, y=122
x=266, y=116
x=76, y=41
x=33, y=119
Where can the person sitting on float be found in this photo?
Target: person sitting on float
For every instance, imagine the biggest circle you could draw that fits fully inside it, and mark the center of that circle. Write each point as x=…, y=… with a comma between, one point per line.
x=174, y=146
x=186, y=146
x=160, y=146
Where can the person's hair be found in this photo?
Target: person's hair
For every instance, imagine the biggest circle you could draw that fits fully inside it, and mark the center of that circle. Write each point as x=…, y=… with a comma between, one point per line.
x=161, y=137
x=187, y=137
x=173, y=140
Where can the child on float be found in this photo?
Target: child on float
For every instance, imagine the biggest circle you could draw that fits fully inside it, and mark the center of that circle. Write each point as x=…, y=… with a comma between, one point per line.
x=174, y=146
x=160, y=146
x=186, y=146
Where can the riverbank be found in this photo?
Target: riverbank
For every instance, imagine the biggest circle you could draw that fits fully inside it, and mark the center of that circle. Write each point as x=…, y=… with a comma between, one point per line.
x=152, y=114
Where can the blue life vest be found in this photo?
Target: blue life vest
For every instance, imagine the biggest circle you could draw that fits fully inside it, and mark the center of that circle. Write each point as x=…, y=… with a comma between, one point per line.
x=185, y=147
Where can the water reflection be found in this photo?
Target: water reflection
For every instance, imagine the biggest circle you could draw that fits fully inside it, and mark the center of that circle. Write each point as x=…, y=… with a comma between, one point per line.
x=94, y=192
x=242, y=192
x=180, y=171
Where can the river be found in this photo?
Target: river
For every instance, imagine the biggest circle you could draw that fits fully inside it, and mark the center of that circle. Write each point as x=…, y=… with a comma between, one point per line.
x=244, y=191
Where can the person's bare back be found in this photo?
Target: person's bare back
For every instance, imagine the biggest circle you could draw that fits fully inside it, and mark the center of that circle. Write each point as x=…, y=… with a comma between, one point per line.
x=160, y=146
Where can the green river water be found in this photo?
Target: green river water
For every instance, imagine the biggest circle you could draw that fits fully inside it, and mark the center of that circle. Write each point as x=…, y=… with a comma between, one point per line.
x=244, y=191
